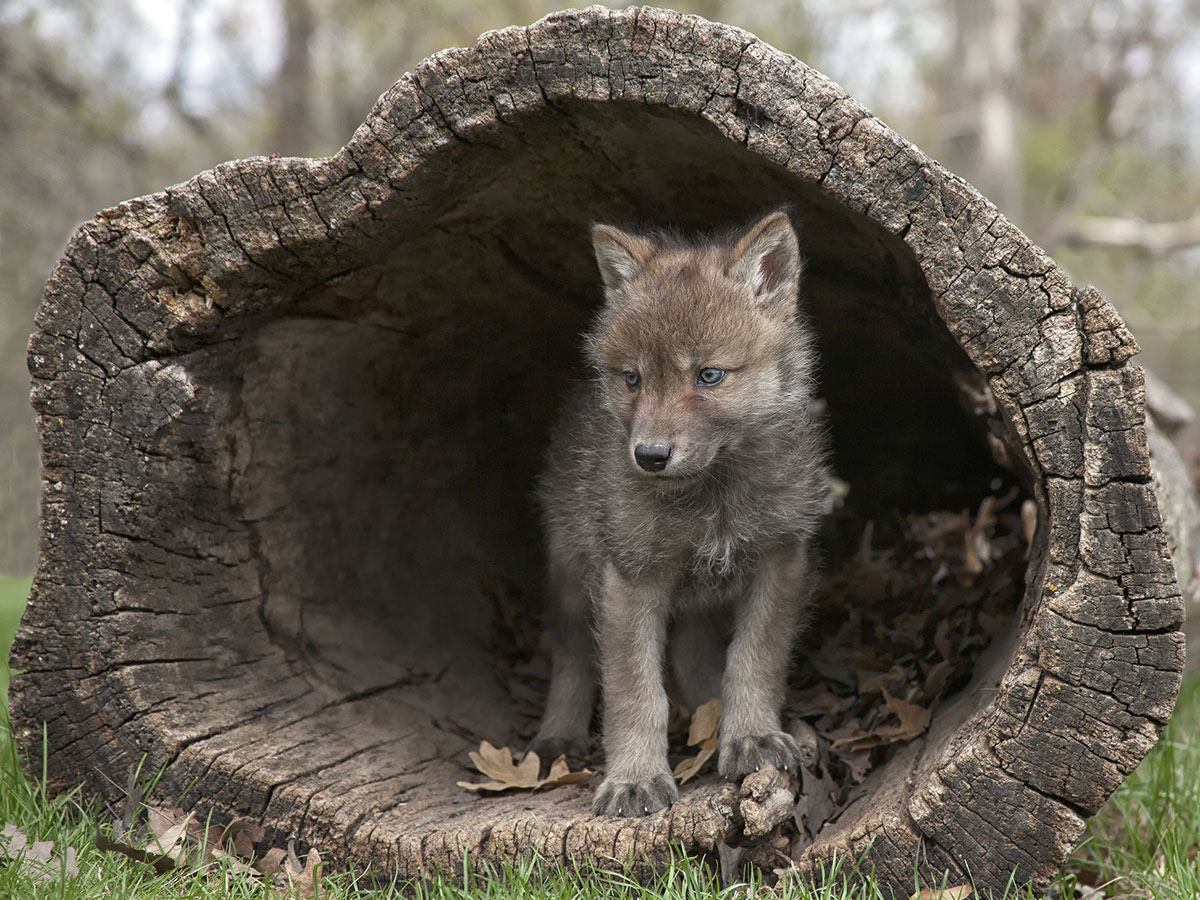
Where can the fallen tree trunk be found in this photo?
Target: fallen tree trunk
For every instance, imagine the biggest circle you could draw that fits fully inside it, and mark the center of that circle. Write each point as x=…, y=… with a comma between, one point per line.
x=291, y=413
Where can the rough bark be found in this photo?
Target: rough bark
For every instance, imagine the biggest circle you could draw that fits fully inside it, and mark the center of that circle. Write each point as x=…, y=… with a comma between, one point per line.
x=292, y=408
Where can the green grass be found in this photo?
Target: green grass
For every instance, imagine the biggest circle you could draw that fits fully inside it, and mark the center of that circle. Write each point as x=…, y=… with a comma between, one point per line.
x=1142, y=845
x=13, y=591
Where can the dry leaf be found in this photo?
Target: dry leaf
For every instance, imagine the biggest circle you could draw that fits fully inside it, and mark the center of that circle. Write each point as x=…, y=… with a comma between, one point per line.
x=961, y=892
x=309, y=881
x=705, y=721
x=304, y=881
x=730, y=859
x=498, y=764
x=271, y=862
x=874, y=681
x=936, y=677
x=818, y=700
x=168, y=839
x=914, y=719
x=913, y=722
x=818, y=800
x=36, y=860
x=690, y=767
x=240, y=836
x=856, y=762
x=560, y=773
x=702, y=733
x=162, y=820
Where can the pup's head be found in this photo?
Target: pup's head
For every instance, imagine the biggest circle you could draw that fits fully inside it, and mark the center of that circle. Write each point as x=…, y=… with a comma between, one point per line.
x=696, y=344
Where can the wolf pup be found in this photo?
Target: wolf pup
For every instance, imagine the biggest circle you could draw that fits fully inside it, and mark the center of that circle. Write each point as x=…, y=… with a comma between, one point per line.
x=682, y=487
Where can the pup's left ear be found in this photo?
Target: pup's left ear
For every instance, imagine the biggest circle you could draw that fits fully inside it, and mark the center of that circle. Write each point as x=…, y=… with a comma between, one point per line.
x=767, y=260
x=620, y=255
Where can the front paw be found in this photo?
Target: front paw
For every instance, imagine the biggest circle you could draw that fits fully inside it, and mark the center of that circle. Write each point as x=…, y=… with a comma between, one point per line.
x=634, y=798
x=743, y=755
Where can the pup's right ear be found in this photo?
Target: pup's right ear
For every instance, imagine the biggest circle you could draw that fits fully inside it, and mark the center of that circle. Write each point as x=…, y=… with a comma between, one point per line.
x=767, y=260
x=621, y=255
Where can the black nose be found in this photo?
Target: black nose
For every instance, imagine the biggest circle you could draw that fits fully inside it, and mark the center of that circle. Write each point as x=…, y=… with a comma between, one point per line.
x=652, y=457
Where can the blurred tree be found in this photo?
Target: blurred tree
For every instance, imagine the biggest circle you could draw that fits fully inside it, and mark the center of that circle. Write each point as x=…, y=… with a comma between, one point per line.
x=1109, y=104
x=290, y=114
x=981, y=86
x=74, y=138
x=59, y=141
x=1080, y=119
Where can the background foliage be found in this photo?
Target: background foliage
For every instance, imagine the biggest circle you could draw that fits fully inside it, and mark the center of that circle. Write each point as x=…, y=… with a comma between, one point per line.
x=1078, y=118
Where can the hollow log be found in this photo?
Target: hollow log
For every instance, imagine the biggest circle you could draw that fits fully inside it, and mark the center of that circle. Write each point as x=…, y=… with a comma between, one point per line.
x=292, y=411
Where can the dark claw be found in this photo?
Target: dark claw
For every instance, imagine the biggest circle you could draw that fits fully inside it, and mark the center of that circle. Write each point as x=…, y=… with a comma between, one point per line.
x=741, y=756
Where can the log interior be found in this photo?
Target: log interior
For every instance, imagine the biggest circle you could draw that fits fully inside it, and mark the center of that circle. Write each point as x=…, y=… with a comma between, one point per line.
x=391, y=448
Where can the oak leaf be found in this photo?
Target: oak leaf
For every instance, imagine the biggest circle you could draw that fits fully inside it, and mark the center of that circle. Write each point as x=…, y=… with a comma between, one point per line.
x=304, y=880
x=499, y=765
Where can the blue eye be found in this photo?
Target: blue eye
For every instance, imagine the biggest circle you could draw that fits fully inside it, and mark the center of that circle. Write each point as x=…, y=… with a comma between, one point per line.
x=633, y=380
x=710, y=376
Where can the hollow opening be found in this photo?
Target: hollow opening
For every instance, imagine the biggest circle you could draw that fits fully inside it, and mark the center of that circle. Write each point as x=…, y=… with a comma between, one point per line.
x=389, y=427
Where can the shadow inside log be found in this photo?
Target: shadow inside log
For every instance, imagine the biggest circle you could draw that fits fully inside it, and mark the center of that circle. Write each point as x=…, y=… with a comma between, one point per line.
x=386, y=432
x=392, y=423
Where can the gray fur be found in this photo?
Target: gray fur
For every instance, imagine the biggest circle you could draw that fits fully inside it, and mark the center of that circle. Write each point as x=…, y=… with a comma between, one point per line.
x=713, y=550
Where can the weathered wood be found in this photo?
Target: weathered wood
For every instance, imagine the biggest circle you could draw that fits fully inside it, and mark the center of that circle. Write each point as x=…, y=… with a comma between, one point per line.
x=291, y=409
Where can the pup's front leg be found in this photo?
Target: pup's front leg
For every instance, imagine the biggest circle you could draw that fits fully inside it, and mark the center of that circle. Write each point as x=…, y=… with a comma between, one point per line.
x=632, y=618
x=752, y=690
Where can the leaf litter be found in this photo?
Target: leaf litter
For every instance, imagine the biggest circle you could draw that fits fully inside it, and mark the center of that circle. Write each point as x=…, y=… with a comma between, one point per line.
x=913, y=722
x=896, y=628
x=169, y=838
x=36, y=859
